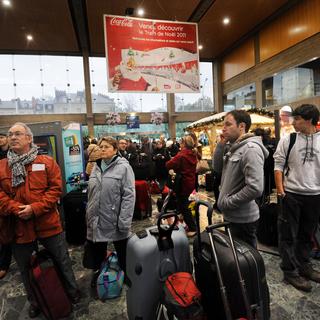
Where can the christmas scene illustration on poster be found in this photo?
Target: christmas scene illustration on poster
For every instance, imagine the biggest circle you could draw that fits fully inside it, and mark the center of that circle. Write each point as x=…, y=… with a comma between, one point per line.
x=151, y=55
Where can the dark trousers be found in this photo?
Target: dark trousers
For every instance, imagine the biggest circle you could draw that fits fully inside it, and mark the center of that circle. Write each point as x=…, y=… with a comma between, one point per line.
x=246, y=232
x=5, y=256
x=57, y=246
x=297, y=220
x=183, y=208
x=95, y=253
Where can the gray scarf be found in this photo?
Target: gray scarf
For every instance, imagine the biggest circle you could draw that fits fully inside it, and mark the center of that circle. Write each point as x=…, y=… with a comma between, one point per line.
x=17, y=164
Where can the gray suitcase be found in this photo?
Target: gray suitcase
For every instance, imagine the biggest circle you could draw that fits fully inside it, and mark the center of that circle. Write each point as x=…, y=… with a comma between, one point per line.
x=152, y=255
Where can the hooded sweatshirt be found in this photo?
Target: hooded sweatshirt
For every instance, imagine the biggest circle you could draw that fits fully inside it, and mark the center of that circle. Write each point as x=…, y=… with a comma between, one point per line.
x=304, y=163
x=242, y=179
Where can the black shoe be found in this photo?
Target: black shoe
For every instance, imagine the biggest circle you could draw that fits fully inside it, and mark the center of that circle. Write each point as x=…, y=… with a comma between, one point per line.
x=94, y=278
x=33, y=311
x=75, y=298
x=298, y=282
x=308, y=272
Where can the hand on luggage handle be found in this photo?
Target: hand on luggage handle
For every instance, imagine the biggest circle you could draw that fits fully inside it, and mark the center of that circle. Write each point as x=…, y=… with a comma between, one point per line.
x=163, y=231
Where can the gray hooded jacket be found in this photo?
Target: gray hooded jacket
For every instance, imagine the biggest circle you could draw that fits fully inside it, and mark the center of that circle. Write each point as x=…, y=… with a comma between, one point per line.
x=111, y=200
x=242, y=179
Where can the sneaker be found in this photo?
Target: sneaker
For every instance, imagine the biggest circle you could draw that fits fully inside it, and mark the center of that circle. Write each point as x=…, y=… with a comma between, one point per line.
x=75, y=298
x=308, y=272
x=94, y=277
x=298, y=282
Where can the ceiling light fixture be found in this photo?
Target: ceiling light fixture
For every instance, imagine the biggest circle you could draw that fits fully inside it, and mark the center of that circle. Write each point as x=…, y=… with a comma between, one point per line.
x=140, y=12
x=200, y=46
x=29, y=37
x=226, y=20
x=6, y=3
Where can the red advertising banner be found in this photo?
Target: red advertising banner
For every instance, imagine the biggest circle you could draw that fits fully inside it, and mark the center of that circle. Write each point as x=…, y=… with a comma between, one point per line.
x=151, y=55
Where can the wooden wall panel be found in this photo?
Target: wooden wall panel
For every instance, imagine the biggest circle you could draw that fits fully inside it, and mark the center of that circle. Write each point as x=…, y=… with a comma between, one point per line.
x=301, y=22
x=239, y=60
x=294, y=56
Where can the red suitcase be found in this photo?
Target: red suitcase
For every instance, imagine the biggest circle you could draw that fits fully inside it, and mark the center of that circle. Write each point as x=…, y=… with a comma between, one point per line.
x=47, y=287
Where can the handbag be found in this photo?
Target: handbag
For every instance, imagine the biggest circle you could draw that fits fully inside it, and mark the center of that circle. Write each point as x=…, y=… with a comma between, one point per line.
x=202, y=166
x=7, y=227
x=110, y=279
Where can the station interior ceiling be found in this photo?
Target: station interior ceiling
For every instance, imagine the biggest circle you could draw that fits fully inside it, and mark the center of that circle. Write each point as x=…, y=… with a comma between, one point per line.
x=75, y=26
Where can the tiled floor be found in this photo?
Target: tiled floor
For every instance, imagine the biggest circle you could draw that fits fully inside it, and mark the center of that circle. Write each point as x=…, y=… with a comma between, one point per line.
x=286, y=302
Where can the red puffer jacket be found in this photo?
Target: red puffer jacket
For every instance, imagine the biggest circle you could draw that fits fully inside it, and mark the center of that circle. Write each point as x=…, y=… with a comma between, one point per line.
x=42, y=189
x=185, y=162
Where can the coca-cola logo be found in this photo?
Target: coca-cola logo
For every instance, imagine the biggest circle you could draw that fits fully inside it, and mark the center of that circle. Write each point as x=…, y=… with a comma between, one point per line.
x=121, y=22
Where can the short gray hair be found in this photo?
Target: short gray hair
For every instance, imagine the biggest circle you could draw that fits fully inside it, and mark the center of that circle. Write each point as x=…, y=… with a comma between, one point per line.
x=27, y=129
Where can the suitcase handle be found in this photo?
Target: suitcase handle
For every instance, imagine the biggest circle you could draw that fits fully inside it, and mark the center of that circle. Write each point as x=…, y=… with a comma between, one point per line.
x=217, y=226
x=164, y=239
x=209, y=216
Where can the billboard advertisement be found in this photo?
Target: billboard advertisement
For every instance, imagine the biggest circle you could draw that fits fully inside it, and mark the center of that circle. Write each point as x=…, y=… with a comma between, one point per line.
x=151, y=55
x=73, y=155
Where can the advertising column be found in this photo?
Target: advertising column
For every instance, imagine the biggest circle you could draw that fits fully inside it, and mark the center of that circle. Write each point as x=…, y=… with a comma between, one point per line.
x=73, y=155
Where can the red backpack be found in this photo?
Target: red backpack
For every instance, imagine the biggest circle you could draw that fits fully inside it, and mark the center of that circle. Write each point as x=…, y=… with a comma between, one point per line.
x=182, y=298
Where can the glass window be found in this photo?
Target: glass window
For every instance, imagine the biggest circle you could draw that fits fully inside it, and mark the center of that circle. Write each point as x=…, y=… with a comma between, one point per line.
x=41, y=84
x=151, y=130
x=203, y=101
x=293, y=84
x=243, y=97
x=103, y=101
x=180, y=126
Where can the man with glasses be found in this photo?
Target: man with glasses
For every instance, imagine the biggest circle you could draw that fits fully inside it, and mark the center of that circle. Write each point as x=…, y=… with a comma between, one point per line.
x=30, y=186
x=122, y=151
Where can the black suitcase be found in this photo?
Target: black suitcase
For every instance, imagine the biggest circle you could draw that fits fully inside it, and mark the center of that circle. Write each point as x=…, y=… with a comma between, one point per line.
x=248, y=298
x=74, y=207
x=267, y=232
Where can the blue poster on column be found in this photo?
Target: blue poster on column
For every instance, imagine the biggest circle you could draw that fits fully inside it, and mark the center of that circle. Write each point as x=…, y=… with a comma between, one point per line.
x=73, y=155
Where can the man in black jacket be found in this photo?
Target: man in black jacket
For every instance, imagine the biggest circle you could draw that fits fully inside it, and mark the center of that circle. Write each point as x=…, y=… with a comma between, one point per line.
x=5, y=250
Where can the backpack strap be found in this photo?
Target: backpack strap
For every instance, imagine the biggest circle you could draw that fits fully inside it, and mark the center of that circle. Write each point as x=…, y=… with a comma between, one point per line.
x=293, y=138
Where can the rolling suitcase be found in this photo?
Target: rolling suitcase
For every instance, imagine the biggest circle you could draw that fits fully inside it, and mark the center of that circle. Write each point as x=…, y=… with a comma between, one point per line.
x=231, y=288
x=74, y=207
x=47, y=286
x=152, y=255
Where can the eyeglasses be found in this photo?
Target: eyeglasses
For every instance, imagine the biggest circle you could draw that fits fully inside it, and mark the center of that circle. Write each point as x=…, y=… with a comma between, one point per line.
x=18, y=134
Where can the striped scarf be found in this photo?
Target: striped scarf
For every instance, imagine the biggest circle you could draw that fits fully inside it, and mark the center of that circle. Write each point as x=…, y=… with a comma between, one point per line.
x=17, y=164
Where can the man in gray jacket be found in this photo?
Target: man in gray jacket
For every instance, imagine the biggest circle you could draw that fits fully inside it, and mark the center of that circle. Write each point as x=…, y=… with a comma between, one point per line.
x=242, y=176
x=298, y=188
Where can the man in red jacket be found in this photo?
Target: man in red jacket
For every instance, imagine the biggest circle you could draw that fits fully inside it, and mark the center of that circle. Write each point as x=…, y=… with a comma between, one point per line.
x=30, y=186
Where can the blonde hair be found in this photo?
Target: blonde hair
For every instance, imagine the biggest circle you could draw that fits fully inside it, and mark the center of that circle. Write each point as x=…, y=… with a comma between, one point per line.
x=188, y=142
